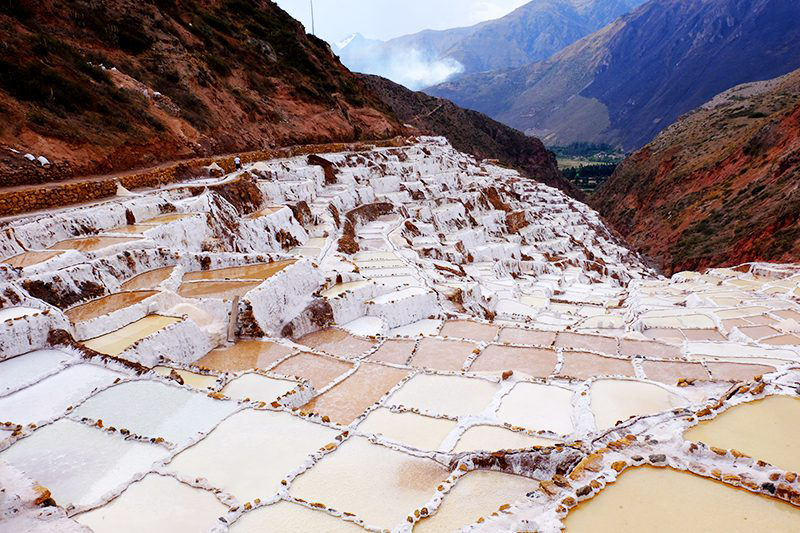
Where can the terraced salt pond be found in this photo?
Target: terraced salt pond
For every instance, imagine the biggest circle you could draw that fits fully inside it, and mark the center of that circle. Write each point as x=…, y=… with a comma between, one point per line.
x=148, y=280
x=449, y=374
x=107, y=304
x=257, y=387
x=410, y=429
x=258, y=437
x=216, y=289
x=259, y=271
x=80, y=464
x=745, y=426
x=118, y=341
x=197, y=510
x=538, y=407
x=664, y=500
x=618, y=400
x=475, y=496
x=27, y=259
x=244, y=355
x=498, y=438
x=19, y=371
x=62, y=390
x=91, y=244
x=382, y=497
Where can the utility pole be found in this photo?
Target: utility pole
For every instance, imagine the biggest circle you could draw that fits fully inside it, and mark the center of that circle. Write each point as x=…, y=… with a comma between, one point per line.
x=313, y=32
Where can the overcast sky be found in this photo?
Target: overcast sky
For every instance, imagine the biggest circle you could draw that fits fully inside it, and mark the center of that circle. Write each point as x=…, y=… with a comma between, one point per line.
x=384, y=19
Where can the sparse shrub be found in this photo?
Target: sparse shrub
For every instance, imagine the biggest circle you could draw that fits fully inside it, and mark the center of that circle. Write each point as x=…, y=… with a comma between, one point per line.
x=217, y=65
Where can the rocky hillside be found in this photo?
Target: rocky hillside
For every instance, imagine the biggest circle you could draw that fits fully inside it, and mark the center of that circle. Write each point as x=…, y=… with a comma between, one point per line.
x=626, y=82
x=96, y=86
x=471, y=132
x=532, y=32
x=719, y=187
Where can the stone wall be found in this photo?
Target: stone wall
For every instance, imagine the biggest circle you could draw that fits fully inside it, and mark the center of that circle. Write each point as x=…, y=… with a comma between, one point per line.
x=56, y=195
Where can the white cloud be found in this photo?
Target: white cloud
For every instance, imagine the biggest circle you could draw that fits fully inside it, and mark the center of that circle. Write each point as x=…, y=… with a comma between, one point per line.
x=410, y=68
x=385, y=19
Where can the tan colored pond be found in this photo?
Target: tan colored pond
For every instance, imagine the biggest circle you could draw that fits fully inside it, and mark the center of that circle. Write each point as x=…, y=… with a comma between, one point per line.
x=259, y=271
x=133, y=229
x=217, y=289
x=91, y=244
x=244, y=355
x=467, y=329
x=411, y=429
x=320, y=371
x=615, y=400
x=497, y=359
x=583, y=365
x=349, y=399
x=337, y=342
x=665, y=501
x=27, y=259
x=107, y=304
x=378, y=484
x=286, y=516
x=766, y=429
x=116, y=342
x=269, y=210
x=493, y=438
x=477, y=494
x=198, y=381
x=268, y=446
x=170, y=506
x=441, y=354
x=394, y=351
x=166, y=219
x=148, y=280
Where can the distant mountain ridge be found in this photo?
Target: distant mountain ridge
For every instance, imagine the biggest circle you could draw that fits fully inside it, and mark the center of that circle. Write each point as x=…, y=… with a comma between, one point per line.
x=720, y=187
x=471, y=132
x=627, y=81
x=530, y=33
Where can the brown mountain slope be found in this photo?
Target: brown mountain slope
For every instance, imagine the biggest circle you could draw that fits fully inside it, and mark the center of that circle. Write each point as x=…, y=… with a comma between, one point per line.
x=719, y=187
x=100, y=85
x=472, y=132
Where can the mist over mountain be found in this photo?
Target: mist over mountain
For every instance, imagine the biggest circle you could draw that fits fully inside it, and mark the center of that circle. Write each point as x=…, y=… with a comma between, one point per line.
x=624, y=83
x=530, y=33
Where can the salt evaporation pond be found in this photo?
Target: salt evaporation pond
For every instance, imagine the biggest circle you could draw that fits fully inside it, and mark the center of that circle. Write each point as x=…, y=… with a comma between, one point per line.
x=475, y=496
x=116, y=342
x=107, y=304
x=239, y=456
x=377, y=484
x=767, y=429
x=456, y=371
x=79, y=464
x=148, y=280
x=153, y=409
x=170, y=505
x=410, y=429
x=30, y=368
x=286, y=516
x=257, y=387
x=663, y=500
x=51, y=396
